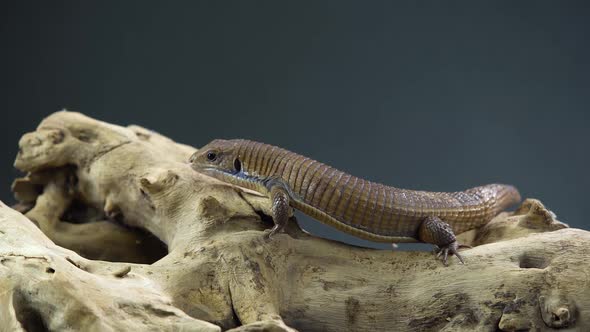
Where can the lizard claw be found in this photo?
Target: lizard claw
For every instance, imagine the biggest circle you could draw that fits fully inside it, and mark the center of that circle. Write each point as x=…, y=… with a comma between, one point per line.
x=450, y=249
x=270, y=233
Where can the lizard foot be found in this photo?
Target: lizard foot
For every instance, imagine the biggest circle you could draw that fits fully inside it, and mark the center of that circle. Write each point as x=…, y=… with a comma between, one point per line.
x=436, y=231
x=449, y=250
x=270, y=233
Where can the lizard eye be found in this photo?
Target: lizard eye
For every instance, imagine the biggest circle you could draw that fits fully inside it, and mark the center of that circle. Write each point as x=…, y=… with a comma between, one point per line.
x=237, y=165
x=211, y=156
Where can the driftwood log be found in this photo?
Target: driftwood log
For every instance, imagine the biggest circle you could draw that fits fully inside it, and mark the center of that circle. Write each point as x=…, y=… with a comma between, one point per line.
x=120, y=234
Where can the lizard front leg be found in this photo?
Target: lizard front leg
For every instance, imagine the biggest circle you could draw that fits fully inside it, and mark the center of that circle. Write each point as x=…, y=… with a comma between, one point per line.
x=434, y=230
x=280, y=198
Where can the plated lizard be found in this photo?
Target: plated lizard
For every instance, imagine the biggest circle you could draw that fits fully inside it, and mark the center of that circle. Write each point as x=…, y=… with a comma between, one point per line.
x=365, y=209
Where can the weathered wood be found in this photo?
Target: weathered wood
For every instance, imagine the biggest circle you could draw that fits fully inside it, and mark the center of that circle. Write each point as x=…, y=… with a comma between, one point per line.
x=91, y=186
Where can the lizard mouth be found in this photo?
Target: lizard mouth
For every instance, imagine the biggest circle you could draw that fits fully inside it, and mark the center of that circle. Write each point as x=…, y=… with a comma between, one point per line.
x=212, y=171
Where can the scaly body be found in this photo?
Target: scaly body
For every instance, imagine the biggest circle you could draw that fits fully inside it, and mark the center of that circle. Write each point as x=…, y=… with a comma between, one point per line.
x=366, y=209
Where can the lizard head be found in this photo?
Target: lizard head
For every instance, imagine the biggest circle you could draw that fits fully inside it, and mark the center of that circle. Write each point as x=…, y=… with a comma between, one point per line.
x=218, y=156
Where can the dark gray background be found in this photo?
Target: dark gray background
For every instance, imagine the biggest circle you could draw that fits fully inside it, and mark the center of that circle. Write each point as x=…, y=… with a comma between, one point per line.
x=427, y=95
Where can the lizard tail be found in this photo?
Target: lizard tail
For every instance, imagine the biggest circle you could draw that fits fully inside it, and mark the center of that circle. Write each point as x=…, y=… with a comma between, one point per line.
x=497, y=197
x=505, y=195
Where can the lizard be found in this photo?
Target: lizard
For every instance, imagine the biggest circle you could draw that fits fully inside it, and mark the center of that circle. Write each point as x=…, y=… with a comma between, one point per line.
x=359, y=207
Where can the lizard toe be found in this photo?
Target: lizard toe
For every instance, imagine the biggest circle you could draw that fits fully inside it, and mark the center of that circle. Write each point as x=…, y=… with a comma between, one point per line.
x=270, y=233
x=449, y=250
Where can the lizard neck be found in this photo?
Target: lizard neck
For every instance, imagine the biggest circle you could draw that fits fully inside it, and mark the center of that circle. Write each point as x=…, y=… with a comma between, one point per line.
x=242, y=179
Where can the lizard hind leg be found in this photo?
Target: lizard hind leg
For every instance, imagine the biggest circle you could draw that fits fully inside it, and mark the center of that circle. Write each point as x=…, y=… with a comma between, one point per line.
x=434, y=230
